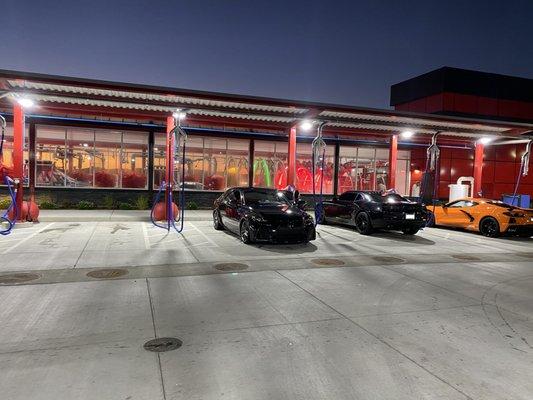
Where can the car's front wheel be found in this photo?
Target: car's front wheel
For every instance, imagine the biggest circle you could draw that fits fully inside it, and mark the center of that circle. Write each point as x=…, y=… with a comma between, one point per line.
x=217, y=223
x=489, y=227
x=245, y=232
x=363, y=224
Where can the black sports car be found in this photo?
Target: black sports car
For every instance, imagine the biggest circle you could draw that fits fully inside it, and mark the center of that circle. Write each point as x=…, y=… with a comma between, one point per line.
x=372, y=210
x=258, y=214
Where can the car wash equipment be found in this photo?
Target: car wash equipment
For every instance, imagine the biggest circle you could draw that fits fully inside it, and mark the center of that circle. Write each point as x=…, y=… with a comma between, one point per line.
x=167, y=210
x=9, y=218
x=524, y=169
x=318, y=149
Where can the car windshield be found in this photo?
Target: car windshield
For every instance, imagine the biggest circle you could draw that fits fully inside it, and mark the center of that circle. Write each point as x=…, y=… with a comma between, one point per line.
x=386, y=198
x=266, y=197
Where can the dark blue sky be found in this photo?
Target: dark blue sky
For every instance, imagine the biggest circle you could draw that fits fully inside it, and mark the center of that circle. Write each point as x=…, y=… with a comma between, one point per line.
x=330, y=51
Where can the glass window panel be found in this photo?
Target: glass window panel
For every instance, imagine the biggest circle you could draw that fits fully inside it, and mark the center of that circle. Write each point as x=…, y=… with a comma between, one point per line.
x=270, y=164
x=50, y=156
x=348, y=169
x=366, y=175
x=7, y=160
x=80, y=157
x=304, y=168
x=106, y=158
x=215, y=163
x=382, y=168
x=159, y=159
x=134, y=160
x=238, y=162
x=194, y=164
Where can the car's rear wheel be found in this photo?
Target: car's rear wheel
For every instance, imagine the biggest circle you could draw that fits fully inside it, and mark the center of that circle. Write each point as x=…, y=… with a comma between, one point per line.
x=217, y=223
x=489, y=227
x=410, y=230
x=245, y=232
x=363, y=224
x=430, y=223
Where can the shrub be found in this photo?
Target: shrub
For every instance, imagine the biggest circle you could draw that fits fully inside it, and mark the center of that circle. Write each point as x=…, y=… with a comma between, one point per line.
x=47, y=205
x=104, y=179
x=191, y=205
x=125, y=206
x=86, y=205
x=5, y=202
x=141, y=202
x=68, y=204
x=108, y=202
x=133, y=180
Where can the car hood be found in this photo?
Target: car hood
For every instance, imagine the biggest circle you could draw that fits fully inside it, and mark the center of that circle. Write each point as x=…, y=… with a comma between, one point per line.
x=269, y=210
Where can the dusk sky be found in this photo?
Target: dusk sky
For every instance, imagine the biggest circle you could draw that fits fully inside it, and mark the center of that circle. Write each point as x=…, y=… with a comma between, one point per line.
x=347, y=52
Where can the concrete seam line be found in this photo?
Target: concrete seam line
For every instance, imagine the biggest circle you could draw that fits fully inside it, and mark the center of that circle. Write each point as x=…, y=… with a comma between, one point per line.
x=27, y=238
x=375, y=336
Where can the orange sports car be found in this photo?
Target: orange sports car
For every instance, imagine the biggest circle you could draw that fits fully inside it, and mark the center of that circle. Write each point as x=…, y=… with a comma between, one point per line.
x=489, y=217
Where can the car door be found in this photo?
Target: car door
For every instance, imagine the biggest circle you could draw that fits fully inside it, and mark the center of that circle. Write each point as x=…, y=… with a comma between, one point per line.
x=345, y=206
x=229, y=210
x=456, y=214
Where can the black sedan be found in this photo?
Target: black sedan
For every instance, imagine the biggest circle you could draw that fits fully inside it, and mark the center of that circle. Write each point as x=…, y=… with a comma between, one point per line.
x=368, y=211
x=263, y=215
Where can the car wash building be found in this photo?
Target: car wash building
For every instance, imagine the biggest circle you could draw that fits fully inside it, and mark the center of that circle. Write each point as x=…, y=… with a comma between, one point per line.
x=83, y=139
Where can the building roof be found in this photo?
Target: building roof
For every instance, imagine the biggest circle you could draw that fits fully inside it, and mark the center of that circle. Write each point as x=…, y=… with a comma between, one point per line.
x=463, y=81
x=69, y=96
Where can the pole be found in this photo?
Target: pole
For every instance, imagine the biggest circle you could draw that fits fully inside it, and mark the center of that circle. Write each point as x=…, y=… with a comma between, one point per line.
x=478, y=168
x=291, y=173
x=393, y=161
x=169, y=171
x=18, y=154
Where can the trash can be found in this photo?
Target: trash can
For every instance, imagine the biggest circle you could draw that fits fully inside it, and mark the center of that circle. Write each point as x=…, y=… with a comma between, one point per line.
x=520, y=200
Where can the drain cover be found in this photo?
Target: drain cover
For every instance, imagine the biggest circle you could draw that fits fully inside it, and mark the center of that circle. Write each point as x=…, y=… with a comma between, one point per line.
x=160, y=345
x=229, y=267
x=386, y=259
x=107, y=273
x=465, y=257
x=21, y=277
x=327, y=261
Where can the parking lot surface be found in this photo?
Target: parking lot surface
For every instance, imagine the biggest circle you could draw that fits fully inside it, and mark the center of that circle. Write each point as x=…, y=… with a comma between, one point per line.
x=440, y=315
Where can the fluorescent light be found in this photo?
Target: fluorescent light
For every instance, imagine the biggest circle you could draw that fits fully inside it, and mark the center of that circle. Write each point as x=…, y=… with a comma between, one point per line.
x=407, y=134
x=25, y=102
x=178, y=114
x=486, y=140
x=306, y=125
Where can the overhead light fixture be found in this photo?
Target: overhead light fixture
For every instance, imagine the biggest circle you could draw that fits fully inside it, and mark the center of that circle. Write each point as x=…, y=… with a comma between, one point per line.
x=25, y=102
x=178, y=114
x=486, y=140
x=306, y=125
x=407, y=134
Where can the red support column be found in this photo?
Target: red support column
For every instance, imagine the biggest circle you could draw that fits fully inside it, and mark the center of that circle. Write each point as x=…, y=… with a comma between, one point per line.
x=169, y=170
x=393, y=161
x=291, y=173
x=478, y=168
x=18, y=153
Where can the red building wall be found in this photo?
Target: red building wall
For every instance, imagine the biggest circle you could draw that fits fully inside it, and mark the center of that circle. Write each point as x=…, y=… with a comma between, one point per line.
x=501, y=164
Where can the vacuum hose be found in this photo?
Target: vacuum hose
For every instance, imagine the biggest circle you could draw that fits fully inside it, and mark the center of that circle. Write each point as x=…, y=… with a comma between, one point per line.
x=13, y=206
x=318, y=152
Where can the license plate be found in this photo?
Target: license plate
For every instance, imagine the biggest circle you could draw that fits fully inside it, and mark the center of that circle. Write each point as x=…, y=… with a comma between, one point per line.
x=409, y=216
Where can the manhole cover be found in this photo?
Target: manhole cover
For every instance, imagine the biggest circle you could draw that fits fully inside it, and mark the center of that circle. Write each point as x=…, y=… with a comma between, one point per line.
x=465, y=257
x=21, y=277
x=386, y=259
x=327, y=261
x=229, y=267
x=160, y=345
x=107, y=273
